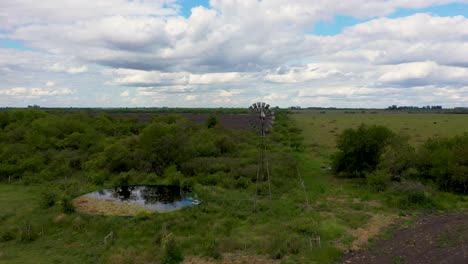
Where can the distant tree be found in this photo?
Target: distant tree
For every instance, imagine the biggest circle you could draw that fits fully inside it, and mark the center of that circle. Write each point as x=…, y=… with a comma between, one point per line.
x=212, y=121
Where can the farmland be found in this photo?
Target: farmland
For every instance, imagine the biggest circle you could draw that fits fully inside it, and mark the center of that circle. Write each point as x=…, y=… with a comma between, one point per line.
x=227, y=227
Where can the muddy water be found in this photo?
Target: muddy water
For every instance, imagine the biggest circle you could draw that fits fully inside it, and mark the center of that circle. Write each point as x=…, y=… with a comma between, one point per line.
x=154, y=197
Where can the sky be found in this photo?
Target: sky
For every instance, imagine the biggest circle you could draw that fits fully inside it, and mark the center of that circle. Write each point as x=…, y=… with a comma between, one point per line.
x=231, y=53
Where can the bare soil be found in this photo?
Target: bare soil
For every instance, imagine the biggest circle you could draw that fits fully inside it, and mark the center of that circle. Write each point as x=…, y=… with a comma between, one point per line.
x=432, y=239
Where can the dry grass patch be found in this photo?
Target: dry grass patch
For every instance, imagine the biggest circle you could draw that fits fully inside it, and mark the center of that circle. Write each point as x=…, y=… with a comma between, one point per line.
x=373, y=227
x=95, y=206
x=231, y=258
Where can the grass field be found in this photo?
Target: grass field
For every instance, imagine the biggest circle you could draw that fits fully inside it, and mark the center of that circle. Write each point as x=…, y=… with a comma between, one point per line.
x=320, y=128
x=362, y=213
x=343, y=213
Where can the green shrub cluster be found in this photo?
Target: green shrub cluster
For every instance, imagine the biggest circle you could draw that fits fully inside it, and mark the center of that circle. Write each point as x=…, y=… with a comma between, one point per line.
x=48, y=146
x=381, y=156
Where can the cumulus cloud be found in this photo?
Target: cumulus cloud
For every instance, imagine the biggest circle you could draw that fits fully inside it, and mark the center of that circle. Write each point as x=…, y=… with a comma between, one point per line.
x=236, y=51
x=230, y=36
x=68, y=69
x=28, y=12
x=125, y=93
x=130, y=77
x=24, y=92
x=423, y=73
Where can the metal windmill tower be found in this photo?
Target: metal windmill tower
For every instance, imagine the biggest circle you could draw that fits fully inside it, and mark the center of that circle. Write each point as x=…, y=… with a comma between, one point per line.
x=262, y=118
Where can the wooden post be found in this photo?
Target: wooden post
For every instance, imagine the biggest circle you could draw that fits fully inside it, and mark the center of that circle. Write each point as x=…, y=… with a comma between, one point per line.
x=110, y=237
x=303, y=186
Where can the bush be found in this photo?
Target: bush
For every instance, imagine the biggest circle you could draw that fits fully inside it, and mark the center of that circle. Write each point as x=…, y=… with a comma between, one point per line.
x=66, y=205
x=212, y=121
x=172, y=252
x=410, y=194
x=211, y=249
x=6, y=235
x=360, y=150
x=48, y=199
x=399, y=158
x=27, y=232
x=378, y=180
x=445, y=162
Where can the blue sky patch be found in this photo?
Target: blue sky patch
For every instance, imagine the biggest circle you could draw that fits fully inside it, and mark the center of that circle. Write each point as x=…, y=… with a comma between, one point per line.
x=335, y=27
x=443, y=10
x=12, y=44
x=187, y=6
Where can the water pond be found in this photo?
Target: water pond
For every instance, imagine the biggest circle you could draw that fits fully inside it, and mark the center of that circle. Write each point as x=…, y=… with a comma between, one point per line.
x=128, y=200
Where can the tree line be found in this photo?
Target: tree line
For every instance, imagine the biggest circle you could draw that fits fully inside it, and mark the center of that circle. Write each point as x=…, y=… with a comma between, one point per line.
x=40, y=146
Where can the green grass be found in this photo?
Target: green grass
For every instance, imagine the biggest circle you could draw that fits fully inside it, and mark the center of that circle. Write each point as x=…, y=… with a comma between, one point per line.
x=320, y=129
x=339, y=211
x=349, y=204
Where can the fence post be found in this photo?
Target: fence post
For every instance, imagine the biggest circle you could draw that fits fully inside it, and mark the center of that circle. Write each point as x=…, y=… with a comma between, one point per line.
x=110, y=237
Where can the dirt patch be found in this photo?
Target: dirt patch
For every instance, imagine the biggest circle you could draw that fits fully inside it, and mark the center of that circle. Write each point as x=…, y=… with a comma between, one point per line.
x=432, y=239
x=95, y=206
x=231, y=259
x=375, y=225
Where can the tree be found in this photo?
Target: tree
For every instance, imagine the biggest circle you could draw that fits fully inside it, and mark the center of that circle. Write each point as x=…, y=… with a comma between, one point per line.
x=360, y=150
x=212, y=121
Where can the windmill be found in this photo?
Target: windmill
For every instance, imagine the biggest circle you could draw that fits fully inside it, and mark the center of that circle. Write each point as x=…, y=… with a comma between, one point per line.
x=261, y=119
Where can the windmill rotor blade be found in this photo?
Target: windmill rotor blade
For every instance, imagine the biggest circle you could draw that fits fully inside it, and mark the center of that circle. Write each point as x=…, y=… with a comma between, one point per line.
x=261, y=117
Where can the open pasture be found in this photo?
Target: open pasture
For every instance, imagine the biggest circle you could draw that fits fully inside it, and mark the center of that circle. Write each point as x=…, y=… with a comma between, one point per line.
x=320, y=128
x=307, y=200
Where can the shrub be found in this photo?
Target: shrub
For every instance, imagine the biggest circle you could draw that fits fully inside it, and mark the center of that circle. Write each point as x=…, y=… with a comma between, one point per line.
x=66, y=205
x=172, y=252
x=378, y=180
x=445, y=162
x=360, y=150
x=212, y=121
x=410, y=194
x=398, y=158
x=211, y=249
x=6, y=235
x=27, y=232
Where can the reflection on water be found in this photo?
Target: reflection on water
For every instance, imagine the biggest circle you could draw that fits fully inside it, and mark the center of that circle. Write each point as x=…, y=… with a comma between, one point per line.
x=154, y=197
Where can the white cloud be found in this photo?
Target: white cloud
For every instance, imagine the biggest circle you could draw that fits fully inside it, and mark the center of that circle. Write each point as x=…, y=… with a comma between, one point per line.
x=235, y=51
x=157, y=78
x=58, y=67
x=28, y=12
x=125, y=93
x=417, y=73
x=35, y=92
x=224, y=93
